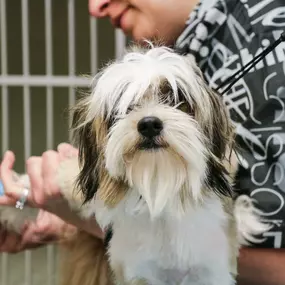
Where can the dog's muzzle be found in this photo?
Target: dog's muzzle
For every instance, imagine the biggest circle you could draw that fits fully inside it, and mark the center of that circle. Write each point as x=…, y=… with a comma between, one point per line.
x=150, y=128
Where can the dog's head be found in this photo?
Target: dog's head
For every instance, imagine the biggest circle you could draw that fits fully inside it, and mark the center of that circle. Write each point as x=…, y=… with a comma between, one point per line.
x=152, y=125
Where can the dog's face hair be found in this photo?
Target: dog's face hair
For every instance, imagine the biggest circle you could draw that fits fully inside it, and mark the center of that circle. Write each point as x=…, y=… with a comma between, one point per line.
x=152, y=125
x=90, y=139
x=83, y=137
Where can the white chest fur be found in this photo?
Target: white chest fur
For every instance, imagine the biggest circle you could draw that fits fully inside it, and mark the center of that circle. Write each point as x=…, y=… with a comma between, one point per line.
x=194, y=249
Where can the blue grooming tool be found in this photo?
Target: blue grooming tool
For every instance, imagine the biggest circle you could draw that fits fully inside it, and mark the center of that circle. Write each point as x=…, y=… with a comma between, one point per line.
x=1, y=189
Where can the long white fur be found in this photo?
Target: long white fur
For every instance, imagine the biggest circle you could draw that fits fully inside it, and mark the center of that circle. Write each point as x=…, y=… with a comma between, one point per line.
x=192, y=249
x=125, y=83
x=249, y=221
x=159, y=175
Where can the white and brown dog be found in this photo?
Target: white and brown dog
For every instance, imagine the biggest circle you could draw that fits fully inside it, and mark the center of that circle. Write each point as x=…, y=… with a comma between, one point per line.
x=155, y=146
x=157, y=162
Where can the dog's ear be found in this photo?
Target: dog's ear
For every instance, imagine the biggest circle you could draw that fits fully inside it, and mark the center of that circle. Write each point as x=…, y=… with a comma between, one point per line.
x=208, y=108
x=84, y=137
x=221, y=134
x=218, y=128
x=221, y=141
x=214, y=116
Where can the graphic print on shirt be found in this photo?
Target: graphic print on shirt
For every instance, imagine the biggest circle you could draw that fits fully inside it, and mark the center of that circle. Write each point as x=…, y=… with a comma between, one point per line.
x=225, y=35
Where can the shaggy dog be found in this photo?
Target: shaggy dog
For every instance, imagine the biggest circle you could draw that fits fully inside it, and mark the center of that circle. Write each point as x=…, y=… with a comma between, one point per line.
x=156, y=149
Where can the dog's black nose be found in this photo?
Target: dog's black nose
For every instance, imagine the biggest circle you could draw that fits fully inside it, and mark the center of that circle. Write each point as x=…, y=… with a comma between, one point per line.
x=150, y=126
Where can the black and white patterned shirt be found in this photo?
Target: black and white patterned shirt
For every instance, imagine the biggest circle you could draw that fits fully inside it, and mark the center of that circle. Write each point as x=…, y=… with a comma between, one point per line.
x=224, y=35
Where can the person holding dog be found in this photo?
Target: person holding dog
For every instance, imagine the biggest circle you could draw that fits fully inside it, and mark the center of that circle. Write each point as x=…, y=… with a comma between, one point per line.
x=222, y=35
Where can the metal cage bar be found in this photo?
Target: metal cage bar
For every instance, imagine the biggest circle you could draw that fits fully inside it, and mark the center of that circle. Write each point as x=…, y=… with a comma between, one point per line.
x=44, y=80
x=27, y=112
x=49, y=122
x=71, y=52
x=93, y=46
x=120, y=42
x=4, y=118
x=49, y=71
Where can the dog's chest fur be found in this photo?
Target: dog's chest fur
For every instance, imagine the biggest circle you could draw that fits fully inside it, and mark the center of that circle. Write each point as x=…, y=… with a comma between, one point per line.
x=168, y=250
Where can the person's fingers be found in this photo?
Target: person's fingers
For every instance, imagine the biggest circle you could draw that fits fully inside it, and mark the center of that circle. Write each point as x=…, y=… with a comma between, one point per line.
x=11, y=243
x=34, y=170
x=29, y=236
x=43, y=222
x=66, y=150
x=50, y=166
x=6, y=173
x=8, y=159
x=44, y=230
x=7, y=201
x=13, y=187
x=48, y=225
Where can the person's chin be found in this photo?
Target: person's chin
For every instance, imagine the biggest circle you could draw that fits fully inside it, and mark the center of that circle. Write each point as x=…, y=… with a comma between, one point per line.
x=133, y=27
x=140, y=34
x=126, y=22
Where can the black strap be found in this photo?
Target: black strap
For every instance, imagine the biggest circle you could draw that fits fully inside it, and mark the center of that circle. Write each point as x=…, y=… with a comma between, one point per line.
x=108, y=236
x=245, y=69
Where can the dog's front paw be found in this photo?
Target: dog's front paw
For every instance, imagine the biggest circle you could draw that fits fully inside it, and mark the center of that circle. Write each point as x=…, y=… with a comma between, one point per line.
x=66, y=177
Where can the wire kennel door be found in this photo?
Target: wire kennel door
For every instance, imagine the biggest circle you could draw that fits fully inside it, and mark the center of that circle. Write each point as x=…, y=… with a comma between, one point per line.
x=45, y=47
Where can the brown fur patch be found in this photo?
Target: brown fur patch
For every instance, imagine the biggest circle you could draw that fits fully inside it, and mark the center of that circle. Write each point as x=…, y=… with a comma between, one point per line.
x=111, y=191
x=100, y=132
x=231, y=165
x=85, y=261
x=93, y=177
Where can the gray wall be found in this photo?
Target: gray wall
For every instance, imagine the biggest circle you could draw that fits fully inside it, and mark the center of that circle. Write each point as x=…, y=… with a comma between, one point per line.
x=37, y=67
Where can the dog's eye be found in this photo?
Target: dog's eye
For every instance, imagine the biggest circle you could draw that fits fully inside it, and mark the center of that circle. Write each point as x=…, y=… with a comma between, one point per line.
x=130, y=109
x=184, y=107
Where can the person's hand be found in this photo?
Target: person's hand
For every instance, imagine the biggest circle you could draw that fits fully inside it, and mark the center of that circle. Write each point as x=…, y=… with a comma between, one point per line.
x=42, y=171
x=44, y=191
x=47, y=228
